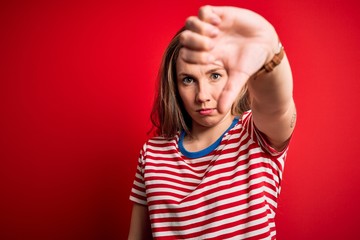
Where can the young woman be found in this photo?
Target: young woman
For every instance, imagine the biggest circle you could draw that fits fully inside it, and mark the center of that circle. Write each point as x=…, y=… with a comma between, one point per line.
x=224, y=115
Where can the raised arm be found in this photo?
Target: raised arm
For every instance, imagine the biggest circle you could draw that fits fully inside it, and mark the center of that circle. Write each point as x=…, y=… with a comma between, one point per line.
x=245, y=41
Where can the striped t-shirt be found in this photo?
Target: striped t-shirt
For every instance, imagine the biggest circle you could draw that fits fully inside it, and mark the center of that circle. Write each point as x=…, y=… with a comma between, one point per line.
x=226, y=191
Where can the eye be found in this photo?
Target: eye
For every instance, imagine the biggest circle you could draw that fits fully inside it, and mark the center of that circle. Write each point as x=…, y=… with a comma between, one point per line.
x=215, y=76
x=187, y=80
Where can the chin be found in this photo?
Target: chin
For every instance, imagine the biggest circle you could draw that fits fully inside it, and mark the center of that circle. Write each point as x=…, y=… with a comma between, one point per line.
x=210, y=121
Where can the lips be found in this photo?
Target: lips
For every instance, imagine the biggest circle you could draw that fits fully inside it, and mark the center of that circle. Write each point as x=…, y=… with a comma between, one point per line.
x=206, y=111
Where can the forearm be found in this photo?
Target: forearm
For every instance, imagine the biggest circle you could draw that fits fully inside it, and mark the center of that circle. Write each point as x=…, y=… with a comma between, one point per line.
x=272, y=103
x=272, y=92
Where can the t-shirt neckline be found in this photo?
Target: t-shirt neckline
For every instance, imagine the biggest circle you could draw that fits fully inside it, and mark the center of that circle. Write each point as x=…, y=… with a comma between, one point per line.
x=206, y=150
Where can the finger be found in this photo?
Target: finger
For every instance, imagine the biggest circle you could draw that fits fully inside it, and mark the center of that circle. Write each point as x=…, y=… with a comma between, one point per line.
x=194, y=24
x=195, y=41
x=219, y=11
x=207, y=14
x=231, y=90
x=196, y=57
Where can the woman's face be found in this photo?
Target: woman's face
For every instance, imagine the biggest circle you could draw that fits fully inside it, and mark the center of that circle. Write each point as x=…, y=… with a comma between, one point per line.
x=200, y=87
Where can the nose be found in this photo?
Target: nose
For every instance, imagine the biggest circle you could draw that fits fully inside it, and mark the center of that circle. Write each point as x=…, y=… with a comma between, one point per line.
x=203, y=92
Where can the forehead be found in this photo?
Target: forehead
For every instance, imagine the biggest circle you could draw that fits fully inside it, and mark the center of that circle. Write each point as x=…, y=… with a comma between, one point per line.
x=190, y=68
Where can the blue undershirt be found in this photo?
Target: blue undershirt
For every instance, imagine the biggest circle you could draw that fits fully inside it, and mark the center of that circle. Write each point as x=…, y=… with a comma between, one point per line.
x=207, y=150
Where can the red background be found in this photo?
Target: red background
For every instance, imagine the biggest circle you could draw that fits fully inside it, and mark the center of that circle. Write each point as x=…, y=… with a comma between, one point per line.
x=76, y=86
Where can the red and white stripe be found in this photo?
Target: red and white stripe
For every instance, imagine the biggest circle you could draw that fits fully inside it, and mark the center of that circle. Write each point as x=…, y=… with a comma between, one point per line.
x=230, y=193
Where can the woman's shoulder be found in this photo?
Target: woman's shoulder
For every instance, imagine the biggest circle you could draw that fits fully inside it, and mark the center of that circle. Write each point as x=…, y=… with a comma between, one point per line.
x=243, y=119
x=246, y=115
x=159, y=145
x=162, y=141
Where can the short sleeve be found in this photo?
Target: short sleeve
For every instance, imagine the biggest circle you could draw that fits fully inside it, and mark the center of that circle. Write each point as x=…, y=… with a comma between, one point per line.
x=138, y=192
x=260, y=138
x=276, y=158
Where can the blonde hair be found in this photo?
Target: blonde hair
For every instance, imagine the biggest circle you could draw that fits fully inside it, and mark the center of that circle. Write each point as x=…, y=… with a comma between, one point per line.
x=168, y=114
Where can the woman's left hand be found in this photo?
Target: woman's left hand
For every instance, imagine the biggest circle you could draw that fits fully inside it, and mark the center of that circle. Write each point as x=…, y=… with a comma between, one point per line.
x=243, y=40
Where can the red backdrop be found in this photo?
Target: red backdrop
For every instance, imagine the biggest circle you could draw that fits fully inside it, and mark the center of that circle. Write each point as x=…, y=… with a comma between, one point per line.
x=76, y=86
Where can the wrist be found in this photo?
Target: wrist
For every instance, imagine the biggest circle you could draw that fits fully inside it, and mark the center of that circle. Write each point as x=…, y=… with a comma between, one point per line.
x=275, y=61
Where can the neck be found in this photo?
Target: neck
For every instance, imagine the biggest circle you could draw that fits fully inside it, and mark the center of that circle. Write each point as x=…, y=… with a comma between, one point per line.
x=203, y=136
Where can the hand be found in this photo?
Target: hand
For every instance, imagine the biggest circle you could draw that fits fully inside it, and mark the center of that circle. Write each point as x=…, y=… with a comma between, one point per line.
x=243, y=40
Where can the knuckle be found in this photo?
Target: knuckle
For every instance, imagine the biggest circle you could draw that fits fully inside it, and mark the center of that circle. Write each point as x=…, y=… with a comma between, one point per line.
x=209, y=44
x=203, y=11
x=185, y=37
x=204, y=8
x=190, y=21
x=182, y=37
x=192, y=25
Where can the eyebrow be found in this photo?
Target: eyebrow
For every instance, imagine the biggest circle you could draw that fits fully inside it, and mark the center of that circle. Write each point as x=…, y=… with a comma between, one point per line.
x=212, y=70
x=218, y=69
